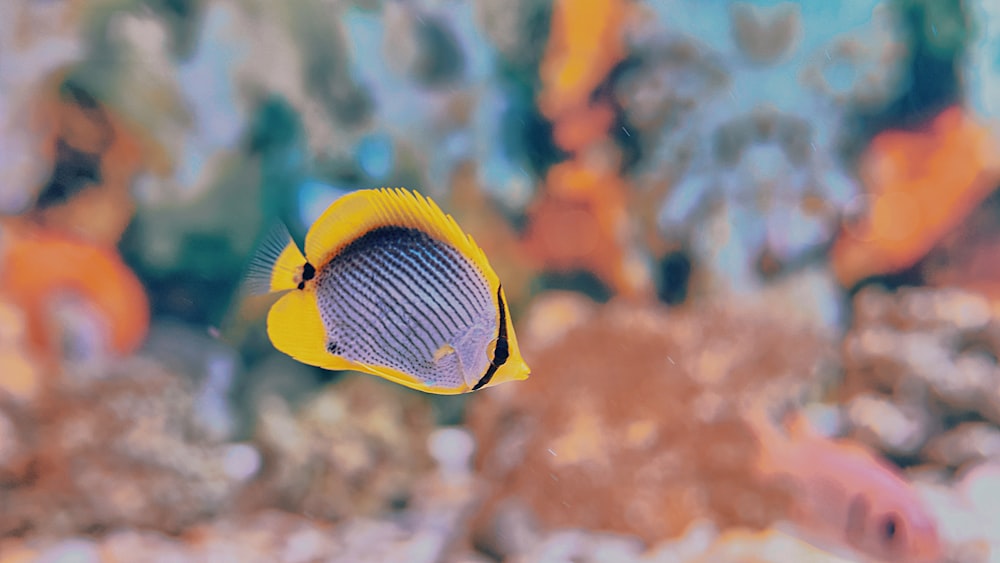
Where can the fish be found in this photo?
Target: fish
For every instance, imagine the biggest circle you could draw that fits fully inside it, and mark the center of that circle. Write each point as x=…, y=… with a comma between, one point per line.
x=844, y=495
x=389, y=285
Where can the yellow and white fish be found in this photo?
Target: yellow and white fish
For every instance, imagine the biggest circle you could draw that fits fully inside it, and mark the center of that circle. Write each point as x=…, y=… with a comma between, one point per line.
x=390, y=285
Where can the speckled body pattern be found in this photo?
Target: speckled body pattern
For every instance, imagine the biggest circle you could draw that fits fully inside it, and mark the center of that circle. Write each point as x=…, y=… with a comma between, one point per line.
x=394, y=296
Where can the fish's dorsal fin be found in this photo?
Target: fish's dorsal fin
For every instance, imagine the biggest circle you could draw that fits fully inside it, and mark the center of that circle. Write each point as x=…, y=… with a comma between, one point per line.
x=357, y=213
x=274, y=264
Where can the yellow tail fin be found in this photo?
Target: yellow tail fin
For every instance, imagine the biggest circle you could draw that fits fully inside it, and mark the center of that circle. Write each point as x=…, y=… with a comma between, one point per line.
x=276, y=265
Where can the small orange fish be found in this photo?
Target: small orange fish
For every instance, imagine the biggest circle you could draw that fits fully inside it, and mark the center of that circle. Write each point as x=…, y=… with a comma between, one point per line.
x=844, y=494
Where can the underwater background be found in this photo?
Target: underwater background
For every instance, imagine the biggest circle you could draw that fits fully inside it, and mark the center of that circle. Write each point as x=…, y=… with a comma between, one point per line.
x=694, y=206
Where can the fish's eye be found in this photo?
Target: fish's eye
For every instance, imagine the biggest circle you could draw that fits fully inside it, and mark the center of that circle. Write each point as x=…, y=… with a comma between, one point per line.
x=889, y=528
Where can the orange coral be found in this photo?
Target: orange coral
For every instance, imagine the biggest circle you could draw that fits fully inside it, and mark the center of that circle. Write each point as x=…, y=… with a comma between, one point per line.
x=922, y=185
x=580, y=220
x=37, y=264
x=645, y=437
x=585, y=44
x=577, y=130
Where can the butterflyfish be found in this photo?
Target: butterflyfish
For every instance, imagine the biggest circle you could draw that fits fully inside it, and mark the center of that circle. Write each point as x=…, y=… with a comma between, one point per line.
x=391, y=286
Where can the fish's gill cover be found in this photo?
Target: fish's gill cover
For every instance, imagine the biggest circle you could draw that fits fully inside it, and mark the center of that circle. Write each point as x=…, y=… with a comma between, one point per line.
x=394, y=296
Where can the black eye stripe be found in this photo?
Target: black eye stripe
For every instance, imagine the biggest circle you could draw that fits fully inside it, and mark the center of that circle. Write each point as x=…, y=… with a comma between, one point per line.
x=502, y=351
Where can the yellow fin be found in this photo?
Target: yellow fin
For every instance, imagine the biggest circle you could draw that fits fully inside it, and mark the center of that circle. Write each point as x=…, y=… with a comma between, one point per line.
x=295, y=328
x=407, y=380
x=276, y=264
x=356, y=213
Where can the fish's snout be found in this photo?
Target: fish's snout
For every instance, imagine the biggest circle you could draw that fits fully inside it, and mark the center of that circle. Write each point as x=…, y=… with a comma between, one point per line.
x=523, y=371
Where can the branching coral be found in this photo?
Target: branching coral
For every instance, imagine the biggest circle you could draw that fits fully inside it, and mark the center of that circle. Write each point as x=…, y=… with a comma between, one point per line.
x=645, y=437
x=751, y=111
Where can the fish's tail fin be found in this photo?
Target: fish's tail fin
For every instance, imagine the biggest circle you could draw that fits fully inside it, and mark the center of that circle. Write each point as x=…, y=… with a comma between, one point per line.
x=276, y=264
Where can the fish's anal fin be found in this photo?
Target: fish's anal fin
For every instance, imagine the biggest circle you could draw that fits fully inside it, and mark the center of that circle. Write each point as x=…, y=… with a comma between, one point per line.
x=406, y=380
x=355, y=214
x=275, y=265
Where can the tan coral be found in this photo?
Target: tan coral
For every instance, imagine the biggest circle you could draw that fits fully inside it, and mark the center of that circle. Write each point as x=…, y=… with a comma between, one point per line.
x=586, y=42
x=620, y=430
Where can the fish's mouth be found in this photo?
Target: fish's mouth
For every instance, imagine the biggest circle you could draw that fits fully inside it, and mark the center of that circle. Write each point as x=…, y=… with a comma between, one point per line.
x=927, y=546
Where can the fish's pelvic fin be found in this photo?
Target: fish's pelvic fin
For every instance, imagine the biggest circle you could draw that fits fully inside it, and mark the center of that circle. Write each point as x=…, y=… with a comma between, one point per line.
x=443, y=351
x=276, y=264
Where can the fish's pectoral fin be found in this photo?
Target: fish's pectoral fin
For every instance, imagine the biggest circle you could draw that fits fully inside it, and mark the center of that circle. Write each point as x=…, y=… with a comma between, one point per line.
x=275, y=265
x=443, y=351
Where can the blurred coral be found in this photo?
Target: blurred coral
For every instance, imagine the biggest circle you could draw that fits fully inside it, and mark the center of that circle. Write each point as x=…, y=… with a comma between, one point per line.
x=644, y=437
x=120, y=450
x=354, y=448
x=95, y=158
x=584, y=44
x=919, y=363
x=35, y=40
x=21, y=371
x=742, y=111
x=38, y=265
x=921, y=185
x=580, y=222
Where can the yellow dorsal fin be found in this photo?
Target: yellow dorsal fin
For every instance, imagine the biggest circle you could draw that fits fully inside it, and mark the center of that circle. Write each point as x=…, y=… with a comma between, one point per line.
x=357, y=213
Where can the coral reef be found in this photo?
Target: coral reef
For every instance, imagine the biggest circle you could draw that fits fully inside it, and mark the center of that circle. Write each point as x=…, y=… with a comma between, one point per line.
x=39, y=266
x=920, y=185
x=118, y=450
x=810, y=186
x=930, y=351
x=355, y=448
x=645, y=435
x=743, y=107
